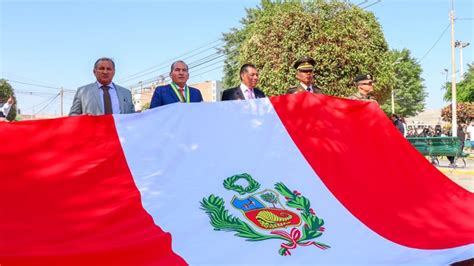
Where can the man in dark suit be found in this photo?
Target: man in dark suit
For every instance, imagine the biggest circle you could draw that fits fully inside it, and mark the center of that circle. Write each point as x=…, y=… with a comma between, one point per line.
x=177, y=90
x=102, y=96
x=305, y=75
x=246, y=90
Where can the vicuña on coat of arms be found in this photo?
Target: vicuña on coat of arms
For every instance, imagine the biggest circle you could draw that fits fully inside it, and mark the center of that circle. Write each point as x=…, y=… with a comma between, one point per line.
x=267, y=218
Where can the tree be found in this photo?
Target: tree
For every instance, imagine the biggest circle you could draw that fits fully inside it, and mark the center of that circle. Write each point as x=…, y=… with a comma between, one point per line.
x=464, y=89
x=343, y=39
x=6, y=91
x=465, y=113
x=407, y=84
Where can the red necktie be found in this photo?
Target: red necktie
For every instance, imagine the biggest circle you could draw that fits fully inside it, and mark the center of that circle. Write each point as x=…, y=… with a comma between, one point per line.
x=181, y=92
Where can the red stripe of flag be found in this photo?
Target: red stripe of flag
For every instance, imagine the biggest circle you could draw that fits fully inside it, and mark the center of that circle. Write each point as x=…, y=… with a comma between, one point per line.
x=376, y=174
x=71, y=200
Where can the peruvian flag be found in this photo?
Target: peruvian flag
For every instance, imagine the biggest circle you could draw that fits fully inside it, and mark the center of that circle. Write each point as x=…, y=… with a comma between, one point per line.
x=299, y=179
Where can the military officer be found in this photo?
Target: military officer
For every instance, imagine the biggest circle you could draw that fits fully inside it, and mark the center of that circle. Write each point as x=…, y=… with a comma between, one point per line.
x=365, y=86
x=305, y=75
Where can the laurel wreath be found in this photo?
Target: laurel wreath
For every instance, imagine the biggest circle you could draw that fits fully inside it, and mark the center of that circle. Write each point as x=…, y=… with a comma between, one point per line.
x=312, y=224
x=221, y=220
x=253, y=185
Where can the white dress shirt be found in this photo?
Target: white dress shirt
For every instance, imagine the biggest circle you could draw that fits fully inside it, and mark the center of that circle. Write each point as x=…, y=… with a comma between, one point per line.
x=247, y=92
x=306, y=87
x=5, y=109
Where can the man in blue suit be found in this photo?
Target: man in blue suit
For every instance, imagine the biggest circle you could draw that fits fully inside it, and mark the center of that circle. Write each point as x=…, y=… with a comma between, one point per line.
x=177, y=90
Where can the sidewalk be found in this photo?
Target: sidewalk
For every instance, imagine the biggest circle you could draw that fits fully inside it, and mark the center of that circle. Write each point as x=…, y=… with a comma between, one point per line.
x=462, y=176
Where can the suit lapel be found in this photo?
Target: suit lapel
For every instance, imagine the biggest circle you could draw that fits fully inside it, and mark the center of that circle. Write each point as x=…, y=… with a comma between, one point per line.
x=96, y=96
x=238, y=94
x=120, y=98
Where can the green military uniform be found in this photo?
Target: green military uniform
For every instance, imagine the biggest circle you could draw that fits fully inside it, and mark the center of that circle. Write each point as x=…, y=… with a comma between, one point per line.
x=361, y=97
x=361, y=86
x=299, y=88
x=304, y=64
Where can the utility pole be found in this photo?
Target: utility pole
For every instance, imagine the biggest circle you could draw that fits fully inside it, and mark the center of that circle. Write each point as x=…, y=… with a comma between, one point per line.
x=460, y=45
x=393, y=101
x=62, y=100
x=454, y=118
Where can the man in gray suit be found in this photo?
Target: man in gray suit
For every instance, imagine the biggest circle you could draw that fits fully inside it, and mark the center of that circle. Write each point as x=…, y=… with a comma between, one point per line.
x=102, y=96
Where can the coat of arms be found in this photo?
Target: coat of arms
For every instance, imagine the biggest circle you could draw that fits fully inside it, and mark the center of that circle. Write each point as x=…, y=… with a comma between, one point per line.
x=267, y=218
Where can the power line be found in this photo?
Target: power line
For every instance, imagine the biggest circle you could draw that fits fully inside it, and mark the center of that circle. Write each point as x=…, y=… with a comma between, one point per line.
x=378, y=1
x=29, y=79
x=191, y=65
x=167, y=62
x=41, y=103
x=50, y=102
x=39, y=94
x=39, y=85
x=32, y=84
x=437, y=41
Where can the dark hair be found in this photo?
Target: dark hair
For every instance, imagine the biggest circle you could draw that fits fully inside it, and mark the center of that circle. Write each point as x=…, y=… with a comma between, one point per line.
x=104, y=59
x=179, y=61
x=244, y=67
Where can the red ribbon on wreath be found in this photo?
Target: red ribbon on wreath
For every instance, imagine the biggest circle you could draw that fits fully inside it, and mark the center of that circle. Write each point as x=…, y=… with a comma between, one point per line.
x=293, y=237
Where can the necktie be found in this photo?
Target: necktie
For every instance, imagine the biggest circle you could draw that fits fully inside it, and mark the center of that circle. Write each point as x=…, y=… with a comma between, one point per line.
x=250, y=91
x=181, y=92
x=107, y=100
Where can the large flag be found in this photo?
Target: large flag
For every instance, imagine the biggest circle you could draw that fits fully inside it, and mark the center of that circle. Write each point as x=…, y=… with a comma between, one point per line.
x=293, y=180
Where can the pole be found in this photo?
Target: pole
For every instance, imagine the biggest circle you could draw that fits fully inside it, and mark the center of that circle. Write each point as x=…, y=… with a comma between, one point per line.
x=460, y=63
x=454, y=118
x=461, y=45
x=393, y=101
x=62, y=101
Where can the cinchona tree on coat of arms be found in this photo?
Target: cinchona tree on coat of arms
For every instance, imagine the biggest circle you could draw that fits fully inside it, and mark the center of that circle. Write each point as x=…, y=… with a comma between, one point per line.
x=263, y=210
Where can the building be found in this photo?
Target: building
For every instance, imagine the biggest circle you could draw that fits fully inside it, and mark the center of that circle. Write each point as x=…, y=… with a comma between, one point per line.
x=210, y=90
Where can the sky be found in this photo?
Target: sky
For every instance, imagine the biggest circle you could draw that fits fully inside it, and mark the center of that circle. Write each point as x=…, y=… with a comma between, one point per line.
x=48, y=45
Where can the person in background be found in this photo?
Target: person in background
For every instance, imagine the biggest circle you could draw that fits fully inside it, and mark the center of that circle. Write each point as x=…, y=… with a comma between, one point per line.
x=247, y=89
x=470, y=134
x=5, y=108
x=365, y=86
x=462, y=138
x=405, y=128
x=103, y=96
x=398, y=124
x=177, y=90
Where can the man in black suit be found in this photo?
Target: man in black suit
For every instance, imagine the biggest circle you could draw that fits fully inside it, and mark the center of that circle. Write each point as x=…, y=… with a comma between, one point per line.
x=246, y=90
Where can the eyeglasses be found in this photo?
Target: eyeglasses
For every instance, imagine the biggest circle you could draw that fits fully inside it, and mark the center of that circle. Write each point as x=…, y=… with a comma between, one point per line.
x=306, y=71
x=370, y=83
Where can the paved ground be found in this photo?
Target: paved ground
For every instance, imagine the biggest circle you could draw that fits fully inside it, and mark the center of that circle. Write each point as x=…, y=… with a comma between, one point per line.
x=463, y=176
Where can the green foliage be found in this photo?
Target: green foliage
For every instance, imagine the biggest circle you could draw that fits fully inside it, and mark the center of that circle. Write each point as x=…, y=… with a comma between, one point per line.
x=146, y=106
x=230, y=184
x=6, y=91
x=343, y=39
x=464, y=89
x=465, y=112
x=221, y=220
x=409, y=91
x=270, y=198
